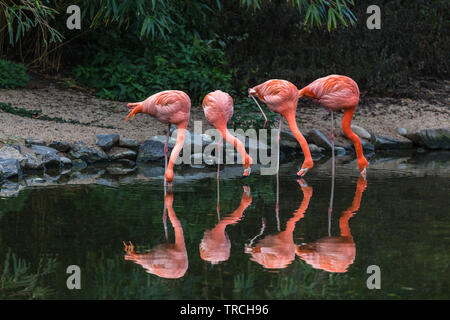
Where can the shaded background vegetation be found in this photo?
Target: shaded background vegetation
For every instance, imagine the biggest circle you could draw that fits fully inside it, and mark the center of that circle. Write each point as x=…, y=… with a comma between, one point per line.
x=127, y=50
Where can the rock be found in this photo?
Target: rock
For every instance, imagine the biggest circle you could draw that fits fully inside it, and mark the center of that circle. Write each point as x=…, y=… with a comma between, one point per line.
x=367, y=146
x=9, y=168
x=288, y=141
x=319, y=139
x=339, y=151
x=60, y=146
x=128, y=143
x=89, y=155
x=31, y=141
x=386, y=143
x=434, y=138
x=79, y=164
x=197, y=160
x=8, y=152
x=402, y=131
x=118, y=153
x=107, y=141
x=66, y=161
x=49, y=156
x=32, y=162
x=200, y=139
x=150, y=150
x=315, y=149
x=163, y=139
x=361, y=132
x=42, y=150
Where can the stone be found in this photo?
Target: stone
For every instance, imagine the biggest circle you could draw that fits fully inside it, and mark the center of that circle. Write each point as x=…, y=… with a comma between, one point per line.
x=87, y=154
x=163, y=140
x=339, y=151
x=435, y=138
x=128, y=143
x=79, y=164
x=126, y=162
x=9, y=168
x=107, y=141
x=315, y=149
x=402, y=131
x=150, y=150
x=32, y=162
x=319, y=139
x=361, y=132
x=60, y=146
x=151, y=171
x=31, y=141
x=8, y=152
x=118, y=153
x=66, y=161
x=49, y=156
x=387, y=143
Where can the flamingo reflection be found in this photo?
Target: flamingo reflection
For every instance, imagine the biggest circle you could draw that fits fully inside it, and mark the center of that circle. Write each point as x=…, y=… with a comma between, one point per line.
x=168, y=260
x=335, y=254
x=215, y=245
x=278, y=251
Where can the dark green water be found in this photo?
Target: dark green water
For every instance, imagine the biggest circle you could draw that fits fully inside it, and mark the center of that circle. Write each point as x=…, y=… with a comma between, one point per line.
x=402, y=225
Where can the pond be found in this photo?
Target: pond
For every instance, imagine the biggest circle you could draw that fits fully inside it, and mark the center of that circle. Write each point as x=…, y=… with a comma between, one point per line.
x=251, y=246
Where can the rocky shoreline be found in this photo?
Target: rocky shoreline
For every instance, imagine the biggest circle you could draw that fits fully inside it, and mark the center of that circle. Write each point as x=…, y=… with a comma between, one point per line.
x=122, y=156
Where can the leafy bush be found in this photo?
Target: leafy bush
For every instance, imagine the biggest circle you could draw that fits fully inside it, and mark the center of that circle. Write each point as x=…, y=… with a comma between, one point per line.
x=12, y=75
x=191, y=65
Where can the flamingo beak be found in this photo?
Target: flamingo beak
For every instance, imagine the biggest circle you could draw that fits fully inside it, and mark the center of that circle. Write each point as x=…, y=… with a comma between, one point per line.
x=364, y=173
x=302, y=172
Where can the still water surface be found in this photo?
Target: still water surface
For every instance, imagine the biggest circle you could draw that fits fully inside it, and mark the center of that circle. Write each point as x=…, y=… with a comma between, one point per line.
x=247, y=247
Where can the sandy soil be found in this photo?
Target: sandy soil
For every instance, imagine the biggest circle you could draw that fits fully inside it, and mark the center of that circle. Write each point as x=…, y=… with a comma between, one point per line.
x=378, y=115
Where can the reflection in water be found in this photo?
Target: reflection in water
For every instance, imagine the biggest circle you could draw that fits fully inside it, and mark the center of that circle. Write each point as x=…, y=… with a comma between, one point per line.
x=278, y=251
x=335, y=254
x=215, y=245
x=168, y=260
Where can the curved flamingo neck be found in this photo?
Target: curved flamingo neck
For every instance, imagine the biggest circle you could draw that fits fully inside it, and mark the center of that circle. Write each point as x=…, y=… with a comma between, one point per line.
x=179, y=236
x=346, y=128
x=238, y=145
x=290, y=117
x=351, y=211
x=181, y=132
x=299, y=213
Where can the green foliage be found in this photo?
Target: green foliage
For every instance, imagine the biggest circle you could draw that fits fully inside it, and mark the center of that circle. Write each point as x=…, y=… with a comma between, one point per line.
x=12, y=75
x=192, y=65
x=247, y=114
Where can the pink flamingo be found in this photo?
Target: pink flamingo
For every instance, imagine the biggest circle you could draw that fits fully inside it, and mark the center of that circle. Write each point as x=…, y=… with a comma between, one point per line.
x=336, y=93
x=215, y=246
x=281, y=96
x=170, y=107
x=218, y=108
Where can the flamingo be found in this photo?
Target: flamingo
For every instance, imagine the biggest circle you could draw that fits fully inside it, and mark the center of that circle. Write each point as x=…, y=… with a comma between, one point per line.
x=281, y=96
x=335, y=93
x=335, y=254
x=167, y=260
x=169, y=107
x=215, y=246
x=218, y=108
x=278, y=251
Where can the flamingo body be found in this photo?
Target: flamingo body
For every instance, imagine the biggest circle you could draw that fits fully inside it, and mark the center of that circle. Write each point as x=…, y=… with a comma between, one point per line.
x=282, y=96
x=336, y=92
x=169, y=107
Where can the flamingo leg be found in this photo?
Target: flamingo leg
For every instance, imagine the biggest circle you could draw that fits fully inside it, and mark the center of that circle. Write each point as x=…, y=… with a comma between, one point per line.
x=332, y=144
x=218, y=183
x=279, y=137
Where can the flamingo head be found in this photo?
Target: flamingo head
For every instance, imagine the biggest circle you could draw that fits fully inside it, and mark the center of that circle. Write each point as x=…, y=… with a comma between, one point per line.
x=251, y=92
x=362, y=165
x=169, y=175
